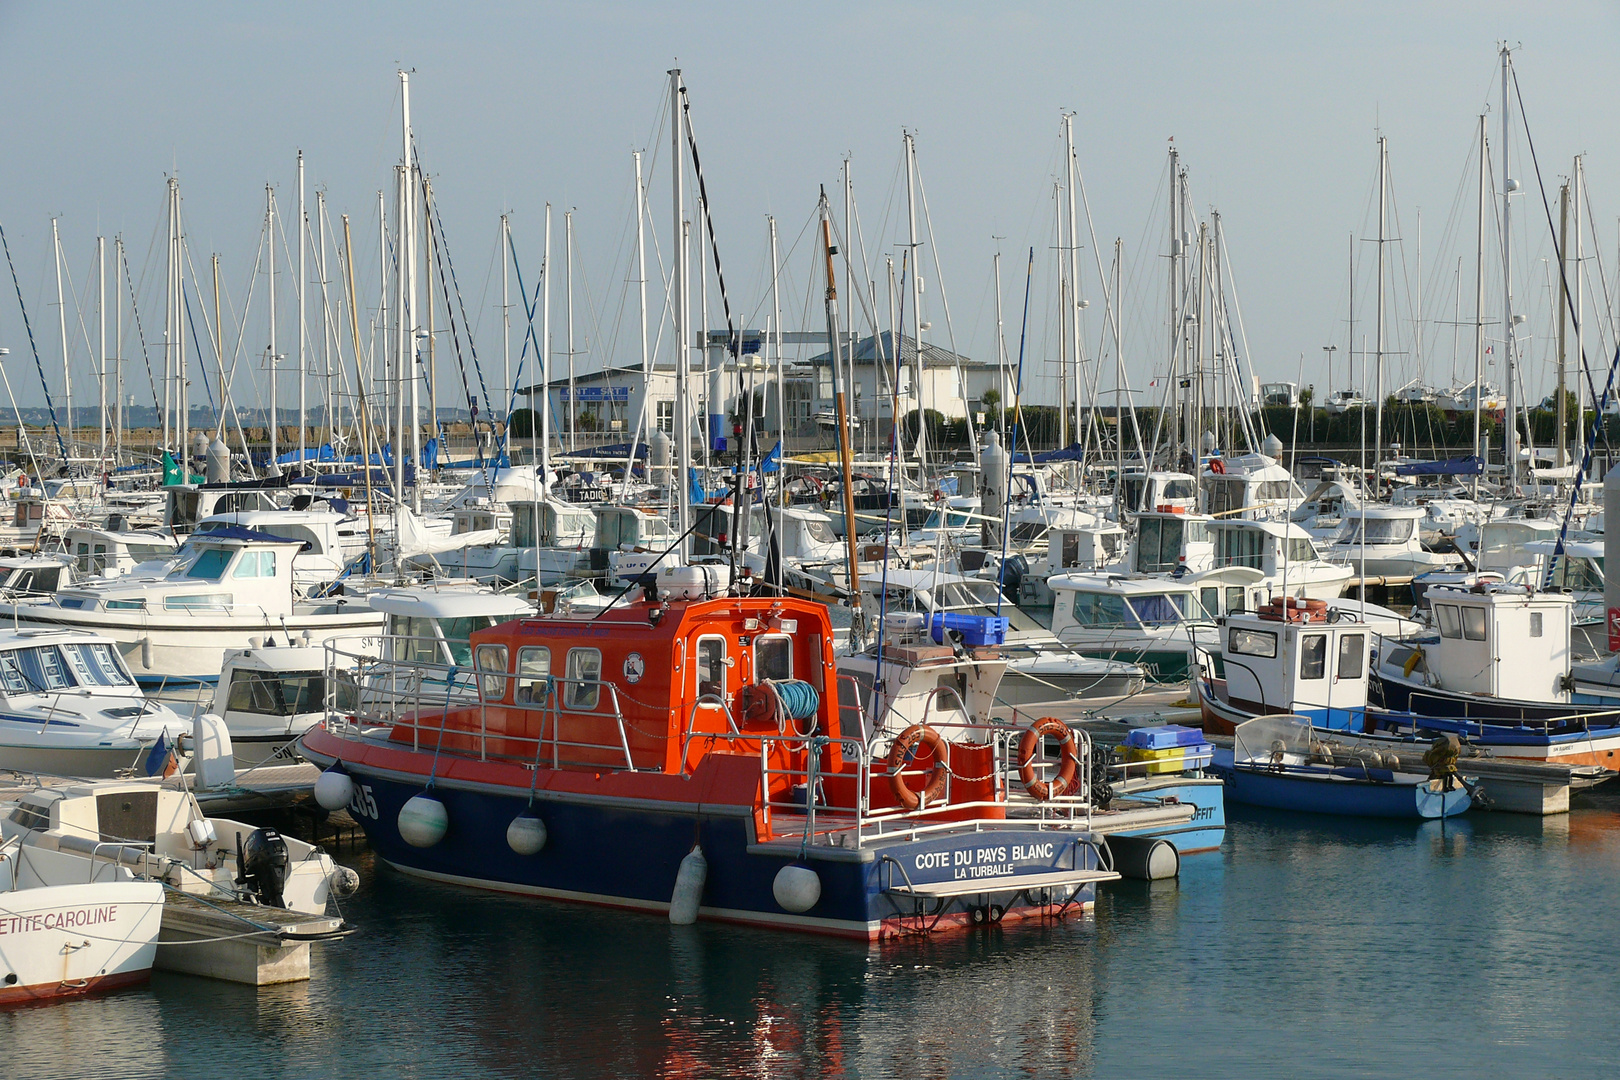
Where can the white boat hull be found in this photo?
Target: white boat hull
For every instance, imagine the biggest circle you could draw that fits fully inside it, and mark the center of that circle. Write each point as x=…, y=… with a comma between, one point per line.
x=187, y=649
x=66, y=940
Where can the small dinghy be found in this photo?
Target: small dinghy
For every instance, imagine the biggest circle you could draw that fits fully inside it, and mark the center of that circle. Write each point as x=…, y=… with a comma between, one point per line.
x=1275, y=762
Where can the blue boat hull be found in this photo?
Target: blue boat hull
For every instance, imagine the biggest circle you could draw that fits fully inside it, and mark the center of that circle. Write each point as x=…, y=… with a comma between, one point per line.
x=627, y=854
x=1324, y=792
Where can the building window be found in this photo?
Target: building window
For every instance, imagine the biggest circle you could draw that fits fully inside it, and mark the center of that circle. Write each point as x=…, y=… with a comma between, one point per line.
x=666, y=417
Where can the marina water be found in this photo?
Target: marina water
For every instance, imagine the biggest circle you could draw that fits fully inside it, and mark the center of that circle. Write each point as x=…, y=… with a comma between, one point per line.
x=1306, y=947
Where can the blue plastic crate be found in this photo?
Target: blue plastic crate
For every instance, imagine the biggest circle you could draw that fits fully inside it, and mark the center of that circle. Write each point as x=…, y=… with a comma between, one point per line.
x=1164, y=736
x=976, y=630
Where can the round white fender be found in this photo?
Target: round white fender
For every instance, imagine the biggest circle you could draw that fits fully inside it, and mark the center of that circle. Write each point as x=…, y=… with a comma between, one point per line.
x=688, y=894
x=343, y=882
x=423, y=821
x=796, y=888
x=333, y=789
x=526, y=835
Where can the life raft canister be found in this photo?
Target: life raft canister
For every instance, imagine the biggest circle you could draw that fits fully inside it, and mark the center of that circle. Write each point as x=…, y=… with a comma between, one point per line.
x=1068, y=759
x=903, y=752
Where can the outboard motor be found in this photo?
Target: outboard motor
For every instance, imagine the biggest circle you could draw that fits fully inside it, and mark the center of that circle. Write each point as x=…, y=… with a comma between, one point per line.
x=262, y=866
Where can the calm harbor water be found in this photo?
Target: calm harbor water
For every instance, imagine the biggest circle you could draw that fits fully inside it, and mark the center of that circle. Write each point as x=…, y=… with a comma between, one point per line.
x=1307, y=947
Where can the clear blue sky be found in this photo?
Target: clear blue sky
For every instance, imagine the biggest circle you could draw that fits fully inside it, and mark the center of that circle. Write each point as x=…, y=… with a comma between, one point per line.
x=1275, y=107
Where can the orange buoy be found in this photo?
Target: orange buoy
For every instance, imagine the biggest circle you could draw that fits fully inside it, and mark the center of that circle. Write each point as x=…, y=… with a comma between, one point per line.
x=903, y=752
x=1069, y=761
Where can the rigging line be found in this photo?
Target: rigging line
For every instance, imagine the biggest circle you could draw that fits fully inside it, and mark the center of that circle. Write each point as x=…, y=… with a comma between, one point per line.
x=33, y=345
x=441, y=255
x=945, y=303
x=529, y=335
x=140, y=336
x=1600, y=404
x=734, y=342
x=196, y=345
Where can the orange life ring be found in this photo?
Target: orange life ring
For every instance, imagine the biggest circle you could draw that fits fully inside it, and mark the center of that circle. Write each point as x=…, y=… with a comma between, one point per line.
x=1030, y=743
x=903, y=752
x=1217, y=466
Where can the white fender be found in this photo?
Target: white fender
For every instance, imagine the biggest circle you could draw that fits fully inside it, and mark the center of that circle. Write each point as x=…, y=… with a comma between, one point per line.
x=213, y=761
x=526, y=835
x=688, y=894
x=796, y=888
x=333, y=789
x=423, y=821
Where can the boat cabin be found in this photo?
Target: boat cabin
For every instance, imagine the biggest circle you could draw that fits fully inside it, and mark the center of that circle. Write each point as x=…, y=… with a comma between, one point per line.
x=1291, y=659
x=1252, y=486
x=24, y=576
x=1168, y=540
x=188, y=504
x=1151, y=491
x=108, y=553
x=229, y=569
x=1504, y=641
x=434, y=623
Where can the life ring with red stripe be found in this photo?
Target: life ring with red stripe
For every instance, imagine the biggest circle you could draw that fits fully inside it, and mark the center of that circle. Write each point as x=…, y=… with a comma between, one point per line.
x=903, y=753
x=1068, y=760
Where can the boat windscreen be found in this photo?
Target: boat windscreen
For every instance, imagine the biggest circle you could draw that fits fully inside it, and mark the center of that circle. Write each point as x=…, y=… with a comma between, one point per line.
x=1262, y=739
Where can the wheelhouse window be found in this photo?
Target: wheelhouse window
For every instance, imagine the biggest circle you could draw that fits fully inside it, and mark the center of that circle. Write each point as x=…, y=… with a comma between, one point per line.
x=491, y=664
x=1473, y=620
x=1245, y=642
x=208, y=566
x=1313, y=656
x=255, y=564
x=1535, y=624
x=773, y=657
x=1159, y=609
x=198, y=602
x=584, y=686
x=277, y=695
x=1378, y=530
x=711, y=666
x=1099, y=609
x=1242, y=547
x=1352, y=648
x=1234, y=599
x=533, y=673
x=95, y=664
x=1450, y=623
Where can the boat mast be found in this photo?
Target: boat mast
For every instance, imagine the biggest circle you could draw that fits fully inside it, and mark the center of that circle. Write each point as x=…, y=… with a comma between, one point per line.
x=1561, y=407
x=1479, y=304
x=1001, y=353
x=61, y=312
x=1580, y=265
x=1511, y=396
x=118, y=336
x=1175, y=309
x=1119, y=385
x=101, y=320
x=303, y=331
x=916, y=307
x=183, y=396
x=1378, y=369
x=857, y=625
x=781, y=393
x=270, y=234
x=1072, y=263
x=545, y=374
x=568, y=308
x=326, y=319
x=641, y=296
x=683, y=436
x=506, y=309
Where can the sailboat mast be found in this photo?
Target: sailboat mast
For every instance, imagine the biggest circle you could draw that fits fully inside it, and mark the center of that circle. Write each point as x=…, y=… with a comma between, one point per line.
x=1175, y=304
x=545, y=361
x=781, y=379
x=329, y=421
x=1119, y=385
x=683, y=430
x=641, y=299
x=1511, y=394
x=303, y=329
x=1072, y=315
x=270, y=217
x=506, y=308
x=857, y=628
x=1479, y=302
x=1579, y=183
x=61, y=312
x=101, y=321
x=568, y=308
x=916, y=302
x=1560, y=405
x=1378, y=369
x=1001, y=356
x=118, y=336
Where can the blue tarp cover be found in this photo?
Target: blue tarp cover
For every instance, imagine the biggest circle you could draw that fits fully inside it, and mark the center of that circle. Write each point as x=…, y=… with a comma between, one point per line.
x=1463, y=466
x=1072, y=452
x=222, y=531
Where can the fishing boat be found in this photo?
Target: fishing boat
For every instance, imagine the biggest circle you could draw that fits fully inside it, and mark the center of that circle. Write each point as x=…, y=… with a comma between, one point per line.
x=70, y=707
x=1153, y=622
x=1041, y=667
x=72, y=927
x=233, y=585
x=1306, y=659
x=690, y=753
x=1385, y=540
x=1277, y=762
